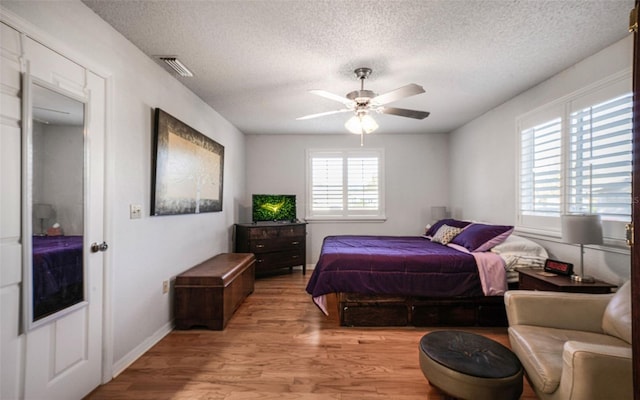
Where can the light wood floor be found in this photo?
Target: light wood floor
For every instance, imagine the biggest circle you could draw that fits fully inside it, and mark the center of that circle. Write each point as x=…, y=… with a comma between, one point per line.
x=278, y=345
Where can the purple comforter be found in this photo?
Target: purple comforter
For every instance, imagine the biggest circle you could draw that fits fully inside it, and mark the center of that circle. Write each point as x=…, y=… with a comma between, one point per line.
x=57, y=272
x=409, y=266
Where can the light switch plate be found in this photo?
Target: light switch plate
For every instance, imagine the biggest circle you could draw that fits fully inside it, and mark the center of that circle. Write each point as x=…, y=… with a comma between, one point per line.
x=135, y=211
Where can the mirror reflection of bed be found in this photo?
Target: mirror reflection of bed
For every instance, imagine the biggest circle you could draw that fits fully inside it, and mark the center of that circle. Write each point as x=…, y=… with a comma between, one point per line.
x=57, y=201
x=57, y=274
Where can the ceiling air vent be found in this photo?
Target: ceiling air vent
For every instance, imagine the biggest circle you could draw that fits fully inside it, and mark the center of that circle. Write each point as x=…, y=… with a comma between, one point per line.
x=176, y=65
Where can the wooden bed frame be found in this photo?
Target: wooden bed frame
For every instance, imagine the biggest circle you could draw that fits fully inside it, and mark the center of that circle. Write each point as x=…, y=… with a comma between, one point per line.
x=375, y=310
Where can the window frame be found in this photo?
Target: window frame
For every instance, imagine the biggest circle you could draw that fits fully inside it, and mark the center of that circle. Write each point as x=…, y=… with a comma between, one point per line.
x=614, y=86
x=345, y=214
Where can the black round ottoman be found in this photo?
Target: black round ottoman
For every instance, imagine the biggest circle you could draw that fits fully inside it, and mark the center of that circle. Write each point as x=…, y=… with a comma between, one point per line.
x=469, y=366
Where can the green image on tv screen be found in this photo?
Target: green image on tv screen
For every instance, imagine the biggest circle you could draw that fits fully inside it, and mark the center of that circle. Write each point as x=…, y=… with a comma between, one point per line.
x=274, y=207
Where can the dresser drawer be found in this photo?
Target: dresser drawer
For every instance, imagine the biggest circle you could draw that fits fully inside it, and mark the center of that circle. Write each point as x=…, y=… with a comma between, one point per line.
x=272, y=232
x=279, y=259
x=267, y=246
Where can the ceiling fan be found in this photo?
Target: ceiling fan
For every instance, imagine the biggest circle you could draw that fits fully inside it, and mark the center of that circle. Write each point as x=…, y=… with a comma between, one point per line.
x=365, y=102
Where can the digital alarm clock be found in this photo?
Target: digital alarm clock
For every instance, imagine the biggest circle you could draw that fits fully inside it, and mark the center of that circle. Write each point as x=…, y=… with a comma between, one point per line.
x=558, y=267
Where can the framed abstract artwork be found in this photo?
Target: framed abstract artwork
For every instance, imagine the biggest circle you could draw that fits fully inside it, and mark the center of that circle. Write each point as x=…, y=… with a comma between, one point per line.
x=187, y=169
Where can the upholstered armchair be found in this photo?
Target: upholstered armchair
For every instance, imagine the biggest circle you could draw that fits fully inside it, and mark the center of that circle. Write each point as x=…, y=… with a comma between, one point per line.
x=573, y=346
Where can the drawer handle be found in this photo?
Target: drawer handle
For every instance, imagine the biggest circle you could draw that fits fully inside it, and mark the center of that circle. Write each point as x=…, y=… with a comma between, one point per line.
x=259, y=246
x=294, y=257
x=259, y=260
x=295, y=243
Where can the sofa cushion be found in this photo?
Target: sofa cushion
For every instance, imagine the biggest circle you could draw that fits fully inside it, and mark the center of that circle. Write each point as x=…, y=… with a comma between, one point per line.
x=617, y=316
x=540, y=351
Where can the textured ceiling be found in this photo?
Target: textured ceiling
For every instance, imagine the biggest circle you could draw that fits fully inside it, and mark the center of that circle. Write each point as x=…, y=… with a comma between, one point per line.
x=255, y=61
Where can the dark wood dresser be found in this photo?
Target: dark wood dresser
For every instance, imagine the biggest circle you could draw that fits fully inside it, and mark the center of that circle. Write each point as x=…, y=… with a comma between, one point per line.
x=276, y=245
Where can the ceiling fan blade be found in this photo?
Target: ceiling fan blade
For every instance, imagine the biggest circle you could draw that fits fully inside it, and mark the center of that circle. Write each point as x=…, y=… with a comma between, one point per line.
x=406, y=91
x=403, y=112
x=333, y=97
x=322, y=114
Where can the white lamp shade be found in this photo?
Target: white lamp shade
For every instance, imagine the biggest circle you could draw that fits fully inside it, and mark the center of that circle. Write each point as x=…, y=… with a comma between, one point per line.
x=361, y=123
x=581, y=229
x=42, y=211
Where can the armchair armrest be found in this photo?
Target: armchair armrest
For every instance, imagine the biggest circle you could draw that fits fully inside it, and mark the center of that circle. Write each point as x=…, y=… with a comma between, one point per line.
x=596, y=371
x=561, y=310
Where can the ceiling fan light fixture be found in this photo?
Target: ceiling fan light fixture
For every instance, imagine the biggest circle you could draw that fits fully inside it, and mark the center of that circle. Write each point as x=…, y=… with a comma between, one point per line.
x=361, y=123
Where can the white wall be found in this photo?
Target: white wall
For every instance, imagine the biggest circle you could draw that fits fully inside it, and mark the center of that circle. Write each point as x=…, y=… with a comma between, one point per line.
x=416, y=178
x=143, y=252
x=483, y=158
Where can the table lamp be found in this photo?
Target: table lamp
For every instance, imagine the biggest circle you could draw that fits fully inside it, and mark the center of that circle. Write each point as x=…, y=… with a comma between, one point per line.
x=42, y=212
x=581, y=229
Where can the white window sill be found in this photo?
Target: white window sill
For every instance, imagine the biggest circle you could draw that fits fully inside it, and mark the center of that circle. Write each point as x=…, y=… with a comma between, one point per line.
x=376, y=219
x=613, y=245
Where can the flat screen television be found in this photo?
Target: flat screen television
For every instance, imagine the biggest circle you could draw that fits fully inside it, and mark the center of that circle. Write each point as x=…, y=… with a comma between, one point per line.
x=274, y=207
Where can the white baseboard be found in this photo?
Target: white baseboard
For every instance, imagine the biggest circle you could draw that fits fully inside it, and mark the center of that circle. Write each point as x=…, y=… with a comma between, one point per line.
x=123, y=363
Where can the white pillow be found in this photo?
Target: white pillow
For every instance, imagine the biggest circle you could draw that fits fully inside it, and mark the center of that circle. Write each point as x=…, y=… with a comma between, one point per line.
x=521, y=246
x=519, y=252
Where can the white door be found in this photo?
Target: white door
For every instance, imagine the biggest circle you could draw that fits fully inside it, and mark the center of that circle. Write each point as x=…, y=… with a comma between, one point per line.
x=63, y=353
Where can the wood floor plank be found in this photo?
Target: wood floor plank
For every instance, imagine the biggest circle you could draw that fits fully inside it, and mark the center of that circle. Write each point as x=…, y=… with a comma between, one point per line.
x=279, y=346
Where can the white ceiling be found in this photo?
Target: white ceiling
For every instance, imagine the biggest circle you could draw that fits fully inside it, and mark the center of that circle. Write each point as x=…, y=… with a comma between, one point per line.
x=255, y=61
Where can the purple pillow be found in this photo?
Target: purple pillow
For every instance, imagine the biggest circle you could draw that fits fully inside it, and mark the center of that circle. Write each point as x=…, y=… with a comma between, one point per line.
x=481, y=237
x=448, y=221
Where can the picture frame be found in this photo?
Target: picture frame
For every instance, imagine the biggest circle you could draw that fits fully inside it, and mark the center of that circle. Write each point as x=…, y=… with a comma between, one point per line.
x=558, y=267
x=188, y=169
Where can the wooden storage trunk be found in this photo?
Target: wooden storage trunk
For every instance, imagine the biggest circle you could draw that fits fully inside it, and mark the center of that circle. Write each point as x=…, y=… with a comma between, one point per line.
x=209, y=293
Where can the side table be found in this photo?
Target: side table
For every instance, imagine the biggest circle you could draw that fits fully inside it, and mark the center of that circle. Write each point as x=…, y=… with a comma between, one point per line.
x=538, y=279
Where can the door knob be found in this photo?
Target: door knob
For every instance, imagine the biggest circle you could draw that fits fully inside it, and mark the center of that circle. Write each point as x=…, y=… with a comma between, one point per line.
x=95, y=247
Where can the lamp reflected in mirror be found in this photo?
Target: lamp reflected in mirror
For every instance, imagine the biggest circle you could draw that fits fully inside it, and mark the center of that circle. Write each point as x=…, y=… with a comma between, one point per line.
x=42, y=212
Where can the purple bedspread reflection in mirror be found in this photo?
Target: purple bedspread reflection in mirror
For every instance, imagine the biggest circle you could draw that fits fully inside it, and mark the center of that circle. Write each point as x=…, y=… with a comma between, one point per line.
x=57, y=273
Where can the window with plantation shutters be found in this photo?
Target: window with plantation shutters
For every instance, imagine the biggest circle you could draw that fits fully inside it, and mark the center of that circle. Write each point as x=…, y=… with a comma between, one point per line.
x=345, y=184
x=599, y=180
x=326, y=189
x=575, y=158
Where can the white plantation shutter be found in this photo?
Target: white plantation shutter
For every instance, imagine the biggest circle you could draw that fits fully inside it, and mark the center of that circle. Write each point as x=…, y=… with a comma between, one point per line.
x=362, y=183
x=600, y=160
x=345, y=184
x=541, y=168
x=326, y=189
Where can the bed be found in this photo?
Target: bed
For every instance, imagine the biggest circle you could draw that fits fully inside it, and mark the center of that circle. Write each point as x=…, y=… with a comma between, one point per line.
x=422, y=280
x=57, y=273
